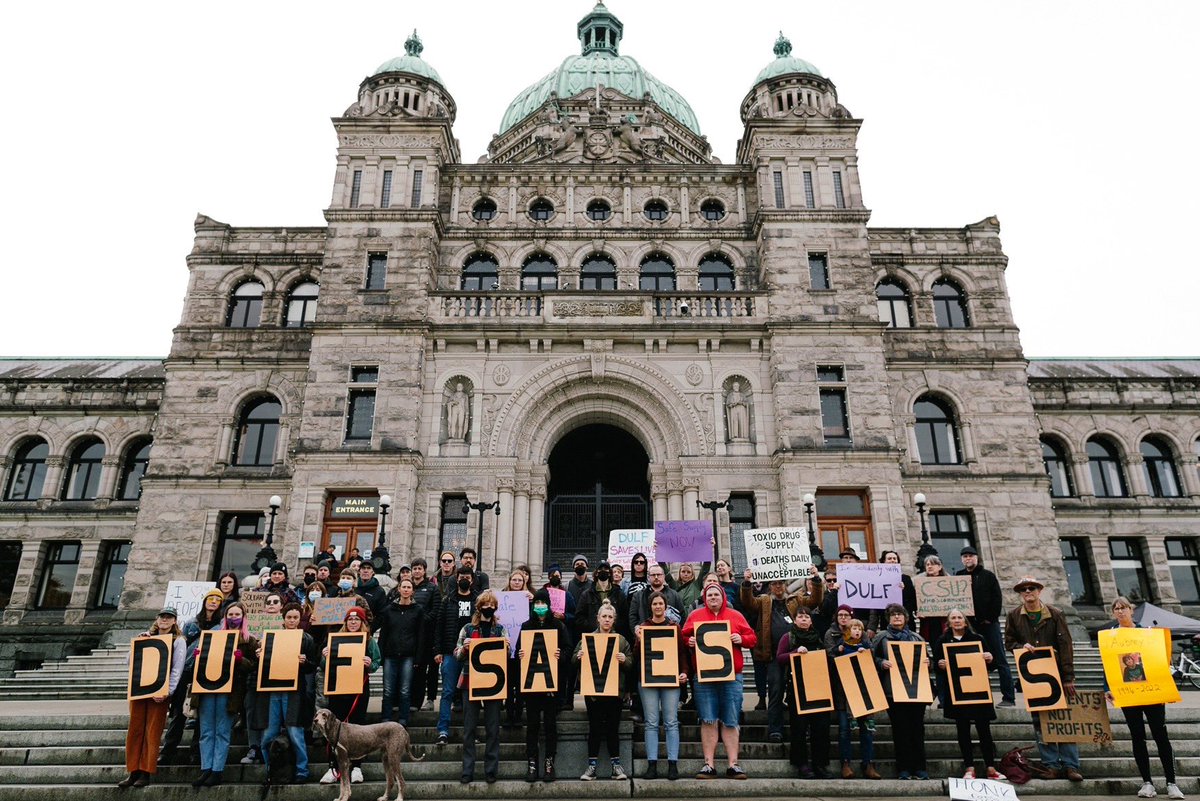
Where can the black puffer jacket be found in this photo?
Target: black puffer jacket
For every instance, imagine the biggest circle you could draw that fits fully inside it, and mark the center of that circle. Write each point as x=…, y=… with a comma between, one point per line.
x=454, y=613
x=401, y=628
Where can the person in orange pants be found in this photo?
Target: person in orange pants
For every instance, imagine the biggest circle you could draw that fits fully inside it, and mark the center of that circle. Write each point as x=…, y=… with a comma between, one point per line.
x=147, y=716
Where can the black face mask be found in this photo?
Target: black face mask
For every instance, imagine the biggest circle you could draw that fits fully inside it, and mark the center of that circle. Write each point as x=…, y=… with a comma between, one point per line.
x=464, y=584
x=603, y=575
x=580, y=570
x=309, y=578
x=487, y=612
x=555, y=581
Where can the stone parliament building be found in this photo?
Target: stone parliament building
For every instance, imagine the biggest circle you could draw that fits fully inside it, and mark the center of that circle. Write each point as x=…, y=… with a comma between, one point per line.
x=597, y=325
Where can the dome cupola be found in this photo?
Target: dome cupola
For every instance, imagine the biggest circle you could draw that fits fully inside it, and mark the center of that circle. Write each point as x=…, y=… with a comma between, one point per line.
x=404, y=86
x=790, y=86
x=600, y=31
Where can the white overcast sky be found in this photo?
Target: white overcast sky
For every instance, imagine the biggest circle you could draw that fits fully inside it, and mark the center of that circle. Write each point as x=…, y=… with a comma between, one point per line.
x=1073, y=122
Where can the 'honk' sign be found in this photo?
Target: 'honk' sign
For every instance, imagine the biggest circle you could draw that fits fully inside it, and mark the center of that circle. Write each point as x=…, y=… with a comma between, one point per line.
x=980, y=790
x=870, y=586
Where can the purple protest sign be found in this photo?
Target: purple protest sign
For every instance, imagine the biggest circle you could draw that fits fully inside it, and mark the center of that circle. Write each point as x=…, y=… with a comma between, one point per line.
x=683, y=541
x=512, y=610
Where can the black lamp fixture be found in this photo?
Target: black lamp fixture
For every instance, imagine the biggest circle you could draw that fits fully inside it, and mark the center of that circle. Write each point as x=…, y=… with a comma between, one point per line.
x=713, y=506
x=380, y=559
x=480, y=507
x=926, y=549
x=814, y=548
x=266, y=555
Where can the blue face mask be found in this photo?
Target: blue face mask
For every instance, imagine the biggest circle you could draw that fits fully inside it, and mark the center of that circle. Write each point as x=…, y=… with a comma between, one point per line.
x=313, y=596
x=345, y=584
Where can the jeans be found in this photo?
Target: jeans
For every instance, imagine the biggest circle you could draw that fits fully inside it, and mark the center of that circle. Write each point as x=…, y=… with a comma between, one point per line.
x=776, y=677
x=1056, y=756
x=276, y=719
x=216, y=725
x=661, y=704
x=397, y=688
x=720, y=701
x=451, y=668
x=993, y=642
x=490, y=711
x=866, y=738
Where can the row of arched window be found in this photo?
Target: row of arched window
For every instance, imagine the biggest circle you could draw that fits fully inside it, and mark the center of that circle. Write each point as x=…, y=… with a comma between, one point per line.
x=81, y=481
x=1106, y=471
x=896, y=309
x=597, y=272
x=246, y=305
x=597, y=210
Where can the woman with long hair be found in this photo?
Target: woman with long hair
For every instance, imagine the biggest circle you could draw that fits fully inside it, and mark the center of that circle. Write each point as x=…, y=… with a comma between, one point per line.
x=353, y=708
x=401, y=626
x=604, y=712
x=515, y=704
x=148, y=715
x=483, y=625
x=660, y=705
x=963, y=715
x=230, y=588
x=209, y=617
x=217, y=712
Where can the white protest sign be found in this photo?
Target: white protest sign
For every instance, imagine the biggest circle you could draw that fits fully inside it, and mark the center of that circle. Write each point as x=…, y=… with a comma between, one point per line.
x=981, y=790
x=512, y=610
x=187, y=597
x=623, y=543
x=869, y=586
x=777, y=553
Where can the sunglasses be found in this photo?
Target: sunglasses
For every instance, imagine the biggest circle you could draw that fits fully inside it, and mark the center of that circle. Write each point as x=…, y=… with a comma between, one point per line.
x=447, y=561
x=275, y=603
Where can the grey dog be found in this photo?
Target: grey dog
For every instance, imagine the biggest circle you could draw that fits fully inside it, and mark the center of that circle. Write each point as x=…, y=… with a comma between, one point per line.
x=349, y=741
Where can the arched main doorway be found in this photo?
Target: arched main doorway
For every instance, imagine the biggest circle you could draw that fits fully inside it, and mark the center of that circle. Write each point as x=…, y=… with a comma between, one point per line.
x=598, y=482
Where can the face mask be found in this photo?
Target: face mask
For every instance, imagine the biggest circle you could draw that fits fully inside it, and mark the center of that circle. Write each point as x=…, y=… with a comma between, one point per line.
x=487, y=612
x=555, y=581
x=603, y=575
x=580, y=570
x=313, y=596
x=309, y=578
x=464, y=584
x=540, y=610
x=345, y=584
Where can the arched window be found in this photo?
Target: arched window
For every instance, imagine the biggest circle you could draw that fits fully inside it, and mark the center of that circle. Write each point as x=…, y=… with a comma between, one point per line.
x=657, y=273
x=937, y=433
x=895, y=306
x=258, y=429
x=950, y=305
x=302, y=305
x=28, y=472
x=599, y=210
x=1104, y=463
x=82, y=481
x=1058, y=468
x=539, y=273
x=481, y=273
x=245, y=306
x=598, y=272
x=656, y=210
x=716, y=274
x=137, y=459
x=1161, y=477
x=712, y=210
x=484, y=209
x=541, y=210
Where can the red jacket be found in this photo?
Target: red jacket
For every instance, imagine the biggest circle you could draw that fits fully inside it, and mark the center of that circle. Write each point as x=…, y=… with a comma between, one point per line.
x=737, y=625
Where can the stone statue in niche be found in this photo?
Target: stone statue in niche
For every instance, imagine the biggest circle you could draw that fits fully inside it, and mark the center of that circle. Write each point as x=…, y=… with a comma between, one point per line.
x=458, y=414
x=737, y=414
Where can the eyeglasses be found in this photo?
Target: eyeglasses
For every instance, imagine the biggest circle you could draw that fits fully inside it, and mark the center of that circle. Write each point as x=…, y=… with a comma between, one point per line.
x=276, y=602
x=1122, y=608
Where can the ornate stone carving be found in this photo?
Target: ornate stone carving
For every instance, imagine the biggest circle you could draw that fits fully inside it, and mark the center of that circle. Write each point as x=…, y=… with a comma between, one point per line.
x=488, y=415
x=501, y=375
x=458, y=413
x=597, y=308
x=737, y=412
x=807, y=142
x=704, y=410
x=386, y=140
x=694, y=374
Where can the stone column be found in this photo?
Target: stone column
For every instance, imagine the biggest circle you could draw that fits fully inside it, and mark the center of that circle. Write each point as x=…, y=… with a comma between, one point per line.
x=24, y=592
x=685, y=205
x=455, y=198
x=1081, y=475
x=401, y=190
x=1135, y=475
x=824, y=185
x=691, y=495
x=341, y=183
x=368, y=195
x=520, y=522
x=110, y=467
x=530, y=549
x=853, y=187
x=1189, y=474
x=658, y=492
x=504, y=524
x=675, y=501
x=54, y=476
x=89, y=551
x=1159, y=571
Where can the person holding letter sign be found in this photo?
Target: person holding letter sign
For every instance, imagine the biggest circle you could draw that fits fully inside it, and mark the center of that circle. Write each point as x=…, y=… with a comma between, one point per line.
x=660, y=705
x=290, y=709
x=907, y=716
x=803, y=638
x=156, y=670
x=604, y=712
x=542, y=707
x=483, y=626
x=350, y=707
x=963, y=715
x=854, y=639
x=718, y=701
x=1035, y=624
x=1136, y=718
x=222, y=698
x=209, y=617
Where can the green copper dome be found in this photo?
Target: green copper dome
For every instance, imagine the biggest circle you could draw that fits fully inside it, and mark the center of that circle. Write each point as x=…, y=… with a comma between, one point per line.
x=411, y=62
x=785, y=63
x=600, y=63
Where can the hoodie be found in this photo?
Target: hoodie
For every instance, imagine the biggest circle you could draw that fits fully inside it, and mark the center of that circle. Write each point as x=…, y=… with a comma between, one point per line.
x=737, y=625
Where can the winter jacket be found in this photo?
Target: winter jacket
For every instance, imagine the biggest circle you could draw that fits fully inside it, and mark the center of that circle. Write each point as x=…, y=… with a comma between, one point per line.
x=639, y=606
x=290, y=596
x=375, y=595
x=1050, y=630
x=737, y=625
x=972, y=712
x=762, y=605
x=589, y=605
x=473, y=631
x=454, y=613
x=245, y=673
x=986, y=593
x=879, y=648
x=796, y=639
x=575, y=588
x=401, y=628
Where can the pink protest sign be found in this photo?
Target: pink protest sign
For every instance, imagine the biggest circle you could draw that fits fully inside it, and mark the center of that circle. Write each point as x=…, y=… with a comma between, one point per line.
x=683, y=541
x=558, y=601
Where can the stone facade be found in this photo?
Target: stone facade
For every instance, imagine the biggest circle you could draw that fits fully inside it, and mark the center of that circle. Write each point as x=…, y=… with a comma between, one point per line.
x=401, y=318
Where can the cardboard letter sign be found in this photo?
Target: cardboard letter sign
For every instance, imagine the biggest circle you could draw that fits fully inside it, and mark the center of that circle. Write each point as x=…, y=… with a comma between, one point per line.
x=660, y=656
x=967, y=672
x=149, y=667
x=714, y=652
x=909, y=674
x=1085, y=720
x=1041, y=685
x=539, y=668
x=860, y=683
x=345, y=671
x=937, y=595
x=488, y=666
x=279, y=665
x=1137, y=664
x=600, y=670
x=812, y=687
x=214, y=665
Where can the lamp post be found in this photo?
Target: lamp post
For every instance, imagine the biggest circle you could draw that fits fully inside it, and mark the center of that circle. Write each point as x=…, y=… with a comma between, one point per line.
x=926, y=548
x=713, y=506
x=266, y=556
x=379, y=554
x=480, y=507
x=814, y=548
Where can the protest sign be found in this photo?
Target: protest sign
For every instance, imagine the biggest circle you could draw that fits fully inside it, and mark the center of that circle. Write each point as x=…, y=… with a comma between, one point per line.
x=860, y=683
x=1084, y=720
x=980, y=790
x=937, y=595
x=331, y=611
x=149, y=667
x=714, y=652
x=966, y=671
x=186, y=598
x=1137, y=664
x=599, y=669
x=558, y=601
x=254, y=600
x=777, y=553
x=909, y=674
x=683, y=541
x=623, y=543
x=512, y=610
x=812, y=687
x=214, y=665
x=345, y=671
x=869, y=586
x=1041, y=684
x=539, y=667
x=258, y=622
x=659, y=656
x=488, y=676
x=279, y=662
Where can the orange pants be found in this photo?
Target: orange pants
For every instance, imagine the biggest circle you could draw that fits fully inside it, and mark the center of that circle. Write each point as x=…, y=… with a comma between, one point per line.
x=146, y=721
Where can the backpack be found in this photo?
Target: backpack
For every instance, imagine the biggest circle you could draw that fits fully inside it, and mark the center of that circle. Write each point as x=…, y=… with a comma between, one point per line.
x=1015, y=765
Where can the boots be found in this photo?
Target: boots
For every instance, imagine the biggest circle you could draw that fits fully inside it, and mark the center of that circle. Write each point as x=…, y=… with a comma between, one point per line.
x=202, y=779
x=129, y=780
x=847, y=771
x=143, y=780
x=651, y=771
x=672, y=770
x=531, y=771
x=869, y=771
x=548, y=770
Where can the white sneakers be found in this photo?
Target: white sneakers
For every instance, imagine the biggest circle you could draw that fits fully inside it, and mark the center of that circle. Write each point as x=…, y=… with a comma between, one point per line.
x=330, y=777
x=1173, y=791
x=427, y=705
x=356, y=776
x=1148, y=791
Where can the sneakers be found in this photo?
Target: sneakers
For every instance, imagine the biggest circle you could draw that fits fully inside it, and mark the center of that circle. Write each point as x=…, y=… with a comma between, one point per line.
x=442, y=739
x=618, y=772
x=252, y=757
x=356, y=776
x=807, y=773
x=775, y=737
x=548, y=770
x=924, y=774
x=1173, y=790
x=531, y=774
x=902, y=775
x=996, y=775
x=651, y=771
x=672, y=771
x=969, y=773
x=707, y=772
x=735, y=772
x=427, y=706
x=1147, y=791
x=330, y=777
x=589, y=775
